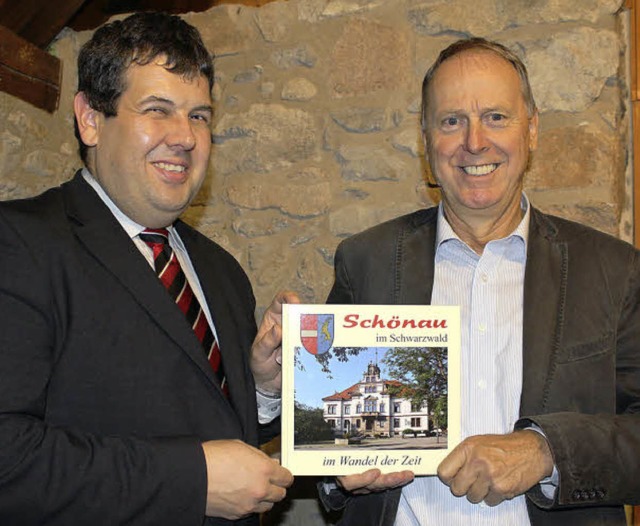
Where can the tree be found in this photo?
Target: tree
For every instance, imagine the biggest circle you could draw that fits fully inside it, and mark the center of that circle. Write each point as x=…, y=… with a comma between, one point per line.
x=341, y=354
x=310, y=426
x=422, y=371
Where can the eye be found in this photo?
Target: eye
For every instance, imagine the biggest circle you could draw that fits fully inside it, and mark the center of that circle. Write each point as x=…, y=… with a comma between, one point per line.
x=496, y=118
x=157, y=110
x=202, y=117
x=451, y=122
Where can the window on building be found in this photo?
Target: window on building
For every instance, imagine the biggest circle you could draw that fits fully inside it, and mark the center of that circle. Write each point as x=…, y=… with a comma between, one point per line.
x=396, y=407
x=382, y=407
x=347, y=409
x=415, y=422
x=332, y=422
x=358, y=423
x=331, y=409
x=359, y=408
x=396, y=423
x=370, y=406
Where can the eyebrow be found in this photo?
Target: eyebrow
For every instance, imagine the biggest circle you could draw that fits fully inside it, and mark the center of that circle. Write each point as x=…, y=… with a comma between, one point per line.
x=169, y=102
x=461, y=111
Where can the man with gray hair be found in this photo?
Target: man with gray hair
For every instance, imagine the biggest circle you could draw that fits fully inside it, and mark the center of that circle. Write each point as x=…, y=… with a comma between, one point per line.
x=550, y=316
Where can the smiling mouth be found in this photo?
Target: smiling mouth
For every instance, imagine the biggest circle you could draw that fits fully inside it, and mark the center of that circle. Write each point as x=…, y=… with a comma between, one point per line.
x=481, y=169
x=169, y=167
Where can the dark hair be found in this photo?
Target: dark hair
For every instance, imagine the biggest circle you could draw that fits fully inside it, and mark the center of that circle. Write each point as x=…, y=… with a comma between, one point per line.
x=479, y=44
x=139, y=38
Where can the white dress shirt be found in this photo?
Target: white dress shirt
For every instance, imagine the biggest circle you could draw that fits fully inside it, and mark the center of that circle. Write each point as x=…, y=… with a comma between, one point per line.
x=489, y=289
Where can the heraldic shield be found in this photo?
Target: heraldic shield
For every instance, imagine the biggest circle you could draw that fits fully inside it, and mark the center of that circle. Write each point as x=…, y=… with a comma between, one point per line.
x=316, y=332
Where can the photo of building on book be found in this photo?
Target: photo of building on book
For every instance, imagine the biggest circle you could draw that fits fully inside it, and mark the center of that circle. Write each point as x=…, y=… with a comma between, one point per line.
x=374, y=397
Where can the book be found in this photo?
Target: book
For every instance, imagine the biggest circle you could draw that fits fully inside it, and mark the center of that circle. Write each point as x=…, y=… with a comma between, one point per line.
x=369, y=386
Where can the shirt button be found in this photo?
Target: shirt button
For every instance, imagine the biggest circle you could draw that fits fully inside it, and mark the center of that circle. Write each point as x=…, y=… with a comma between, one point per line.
x=484, y=278
x=482, y=327
x=482, y=384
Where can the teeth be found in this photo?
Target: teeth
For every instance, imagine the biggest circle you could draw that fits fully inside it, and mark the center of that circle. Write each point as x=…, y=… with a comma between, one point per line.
x=482, y=169
x=171, y=167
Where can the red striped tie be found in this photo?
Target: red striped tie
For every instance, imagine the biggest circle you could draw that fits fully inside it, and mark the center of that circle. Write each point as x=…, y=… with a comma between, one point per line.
x=174, y=280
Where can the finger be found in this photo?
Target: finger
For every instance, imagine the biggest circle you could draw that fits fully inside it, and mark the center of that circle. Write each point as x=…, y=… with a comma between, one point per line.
x=464, y=480
x=393, y=480
x=282, y=477
x=275, y=494
x=493, y=498
x=263, y=507
x=287, y=296
x=451, y=465
x=359, y=481
x=478, y=492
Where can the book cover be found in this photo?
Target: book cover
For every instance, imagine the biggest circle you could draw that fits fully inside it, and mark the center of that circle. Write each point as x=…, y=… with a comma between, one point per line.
x=369, y=386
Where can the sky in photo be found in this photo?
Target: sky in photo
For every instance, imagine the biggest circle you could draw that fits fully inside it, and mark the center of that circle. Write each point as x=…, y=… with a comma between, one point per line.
x=312, y=385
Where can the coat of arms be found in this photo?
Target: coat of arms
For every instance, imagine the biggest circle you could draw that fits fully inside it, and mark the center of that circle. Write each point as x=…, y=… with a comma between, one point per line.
x=316, y=332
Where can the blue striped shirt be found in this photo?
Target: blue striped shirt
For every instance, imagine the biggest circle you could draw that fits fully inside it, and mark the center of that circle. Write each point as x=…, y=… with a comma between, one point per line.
x=489, y=289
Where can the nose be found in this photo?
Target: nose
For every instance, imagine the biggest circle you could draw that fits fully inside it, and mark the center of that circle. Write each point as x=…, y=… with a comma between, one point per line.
x=476, y=138
x=180, y=133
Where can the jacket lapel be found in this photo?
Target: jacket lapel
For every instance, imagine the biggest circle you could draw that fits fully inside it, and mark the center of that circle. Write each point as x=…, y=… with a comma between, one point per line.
x=415, y=260
x=544, y=303
x=106, y=240
x=214, y=280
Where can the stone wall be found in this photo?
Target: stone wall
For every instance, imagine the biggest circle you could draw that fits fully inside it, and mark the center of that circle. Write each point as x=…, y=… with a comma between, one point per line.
x=316, y=133
x=317, y=137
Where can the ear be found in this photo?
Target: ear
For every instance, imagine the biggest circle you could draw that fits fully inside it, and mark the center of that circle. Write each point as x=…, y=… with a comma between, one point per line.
x=533, y=132
x=87, y=119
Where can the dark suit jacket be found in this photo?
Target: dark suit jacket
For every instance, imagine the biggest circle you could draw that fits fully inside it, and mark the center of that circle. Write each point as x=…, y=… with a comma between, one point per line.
x=105, y=392
x=581, y=354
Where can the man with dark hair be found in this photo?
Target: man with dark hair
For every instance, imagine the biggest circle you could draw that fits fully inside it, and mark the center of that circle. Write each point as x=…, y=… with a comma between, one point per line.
x=550, y=314
x=132, y=375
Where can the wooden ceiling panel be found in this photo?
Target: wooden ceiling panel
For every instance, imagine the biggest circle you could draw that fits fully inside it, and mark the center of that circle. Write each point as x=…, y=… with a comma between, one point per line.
x=37, y=21
x=28, y=26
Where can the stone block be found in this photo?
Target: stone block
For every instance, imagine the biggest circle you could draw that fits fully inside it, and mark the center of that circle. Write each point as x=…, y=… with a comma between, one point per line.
x=369, y=57
x=568, y=72
x=265, y=138
x=275, y=21
x=573, y=157
x=310, y=199
x=299, y=89
x=455, y=16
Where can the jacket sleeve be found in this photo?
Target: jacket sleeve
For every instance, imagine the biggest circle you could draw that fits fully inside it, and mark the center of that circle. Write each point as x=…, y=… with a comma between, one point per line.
x=51, y=475
x=341, y=292
x=596, y=454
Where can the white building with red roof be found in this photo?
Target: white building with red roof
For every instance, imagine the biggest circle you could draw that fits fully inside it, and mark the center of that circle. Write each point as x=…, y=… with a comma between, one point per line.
x=369, y=408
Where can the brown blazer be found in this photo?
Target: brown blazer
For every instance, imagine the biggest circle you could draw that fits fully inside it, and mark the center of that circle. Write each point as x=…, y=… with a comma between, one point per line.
x=581, y=362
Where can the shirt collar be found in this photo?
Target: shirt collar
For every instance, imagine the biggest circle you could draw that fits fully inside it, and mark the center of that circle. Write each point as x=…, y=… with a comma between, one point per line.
x=130, y=226
x=444, y=232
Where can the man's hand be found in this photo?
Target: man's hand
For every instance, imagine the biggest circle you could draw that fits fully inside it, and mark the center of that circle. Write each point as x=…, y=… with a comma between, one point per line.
x=242, y=479
x=493, y=468
x=266, y=351
x=373, y=480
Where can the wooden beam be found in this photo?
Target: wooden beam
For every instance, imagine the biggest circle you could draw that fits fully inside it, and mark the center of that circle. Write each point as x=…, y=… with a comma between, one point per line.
x=634, y=30
x=634, y=37
x=95, y=12
x=27, y=72
x=636, y=193
x=37, y=21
